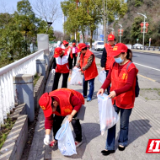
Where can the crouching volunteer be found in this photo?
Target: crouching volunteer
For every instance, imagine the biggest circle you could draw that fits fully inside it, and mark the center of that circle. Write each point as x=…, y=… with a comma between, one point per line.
x=107, y=59
x=62, y=65
x=122, y=75
x=88, y=69
x=58, y=104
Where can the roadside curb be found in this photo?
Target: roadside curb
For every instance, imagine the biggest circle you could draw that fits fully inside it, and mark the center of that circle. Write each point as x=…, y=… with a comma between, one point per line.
x=144, y=51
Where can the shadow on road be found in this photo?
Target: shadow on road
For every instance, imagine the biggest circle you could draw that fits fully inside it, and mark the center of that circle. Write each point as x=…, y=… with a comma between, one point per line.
x=137, y=128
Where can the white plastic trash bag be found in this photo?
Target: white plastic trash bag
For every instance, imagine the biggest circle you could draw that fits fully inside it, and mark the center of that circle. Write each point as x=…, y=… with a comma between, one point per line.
x=76, y=78
x=107, y=115
x=65, y=139
x=102, y=76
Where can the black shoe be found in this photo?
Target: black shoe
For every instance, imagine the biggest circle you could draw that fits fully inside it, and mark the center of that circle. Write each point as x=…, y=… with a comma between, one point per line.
x=106, y=153
x=121, y=148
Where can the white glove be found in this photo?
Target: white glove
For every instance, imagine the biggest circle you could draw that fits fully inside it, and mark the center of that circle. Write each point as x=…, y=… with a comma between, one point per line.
x=53, y=71
x=46, y=139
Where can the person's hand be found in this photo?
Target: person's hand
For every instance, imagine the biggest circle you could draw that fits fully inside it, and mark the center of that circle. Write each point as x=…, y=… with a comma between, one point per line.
x=112, y=94
x=101, y=91
x=74, y=67
x=70, y=71
x=70, y=118
x=46, y=139
x=53, y=71
x=103, y=68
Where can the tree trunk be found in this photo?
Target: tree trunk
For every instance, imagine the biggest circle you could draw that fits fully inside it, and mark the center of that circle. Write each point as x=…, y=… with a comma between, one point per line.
x=83, y=36
x=91, y=38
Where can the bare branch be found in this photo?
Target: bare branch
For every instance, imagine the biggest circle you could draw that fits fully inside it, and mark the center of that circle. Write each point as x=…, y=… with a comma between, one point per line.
x=3, y=6
x=49, y=10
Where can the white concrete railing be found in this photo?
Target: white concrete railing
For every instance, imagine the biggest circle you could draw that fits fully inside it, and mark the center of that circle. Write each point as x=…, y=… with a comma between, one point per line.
x=26, y=65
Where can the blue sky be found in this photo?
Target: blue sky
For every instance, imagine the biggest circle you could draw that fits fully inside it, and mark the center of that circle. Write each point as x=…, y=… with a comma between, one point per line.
x=11, y=6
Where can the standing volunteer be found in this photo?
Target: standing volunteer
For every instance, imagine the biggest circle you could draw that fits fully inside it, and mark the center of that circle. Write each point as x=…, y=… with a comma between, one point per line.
x=62, y=64
x=68, y=49
x=56, y=105
x=88, y=69
x=74, y=53
x=107, y=58
x=122, y=75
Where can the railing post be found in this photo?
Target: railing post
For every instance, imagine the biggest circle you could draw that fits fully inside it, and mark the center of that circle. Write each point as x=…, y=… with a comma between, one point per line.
x=153, y=48
x=41, y=66
x=148, y=48
x=46, y=57
x=23, y=87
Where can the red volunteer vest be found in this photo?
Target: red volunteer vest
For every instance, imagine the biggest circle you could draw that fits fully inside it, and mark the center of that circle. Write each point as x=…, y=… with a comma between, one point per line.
x=62, y=64
x=124, y=100
x=64, y=96
x=109, y=57
x=92, y=71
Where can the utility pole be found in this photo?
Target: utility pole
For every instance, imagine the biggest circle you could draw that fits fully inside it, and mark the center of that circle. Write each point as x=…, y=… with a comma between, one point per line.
x=144, y=27
x=120, y=33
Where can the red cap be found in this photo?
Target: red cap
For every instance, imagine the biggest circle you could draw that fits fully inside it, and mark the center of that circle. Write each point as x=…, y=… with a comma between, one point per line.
x=57, y=52
x=118, y=49
x=65, y=42
x=111, y=37
x=73, y=44
x=45, y=103
x=81, y=46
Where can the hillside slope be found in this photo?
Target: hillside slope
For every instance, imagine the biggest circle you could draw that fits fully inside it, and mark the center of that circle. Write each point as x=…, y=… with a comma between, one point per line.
x=131, y=21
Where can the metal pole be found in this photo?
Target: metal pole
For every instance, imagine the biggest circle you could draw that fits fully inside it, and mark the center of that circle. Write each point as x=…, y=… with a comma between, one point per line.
x=143, y=31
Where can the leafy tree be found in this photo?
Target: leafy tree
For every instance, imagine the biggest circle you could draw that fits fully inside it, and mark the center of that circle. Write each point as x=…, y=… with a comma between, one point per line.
x=18, y=30
x=136, y=29
x=11, y=40
x=88, y=14
x=138, y=3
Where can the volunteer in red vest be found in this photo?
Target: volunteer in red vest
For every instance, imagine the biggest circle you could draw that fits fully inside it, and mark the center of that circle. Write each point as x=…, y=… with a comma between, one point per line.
x=122, y=75
x=68, y=49
x=107, y=58
x=88, y=69
x=58, y=104
x=62, y=65
x=74, y=53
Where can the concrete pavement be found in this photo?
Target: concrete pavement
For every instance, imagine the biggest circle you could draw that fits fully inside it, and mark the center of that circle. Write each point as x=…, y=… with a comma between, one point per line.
x=144, y=124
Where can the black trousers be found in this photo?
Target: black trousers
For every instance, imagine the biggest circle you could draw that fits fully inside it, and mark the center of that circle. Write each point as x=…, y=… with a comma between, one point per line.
x=57, y=121
x=108, y=89
x=56, y=80
x=74, y=59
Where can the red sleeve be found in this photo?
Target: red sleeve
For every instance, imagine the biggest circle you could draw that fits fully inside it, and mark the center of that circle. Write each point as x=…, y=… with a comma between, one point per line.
x=129, y=84
x=76, y=103
x=107, y=81
x=49, y=122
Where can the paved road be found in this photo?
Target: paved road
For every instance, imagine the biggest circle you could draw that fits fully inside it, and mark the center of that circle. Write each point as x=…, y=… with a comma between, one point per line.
x=147, y=63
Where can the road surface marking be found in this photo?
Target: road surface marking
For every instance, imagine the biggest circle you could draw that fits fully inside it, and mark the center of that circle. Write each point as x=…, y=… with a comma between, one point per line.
x=147, y=78
x=147, y=67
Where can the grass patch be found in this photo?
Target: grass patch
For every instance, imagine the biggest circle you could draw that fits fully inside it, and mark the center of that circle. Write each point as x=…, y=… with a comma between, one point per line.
x=5, y=129
x=36, y=78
